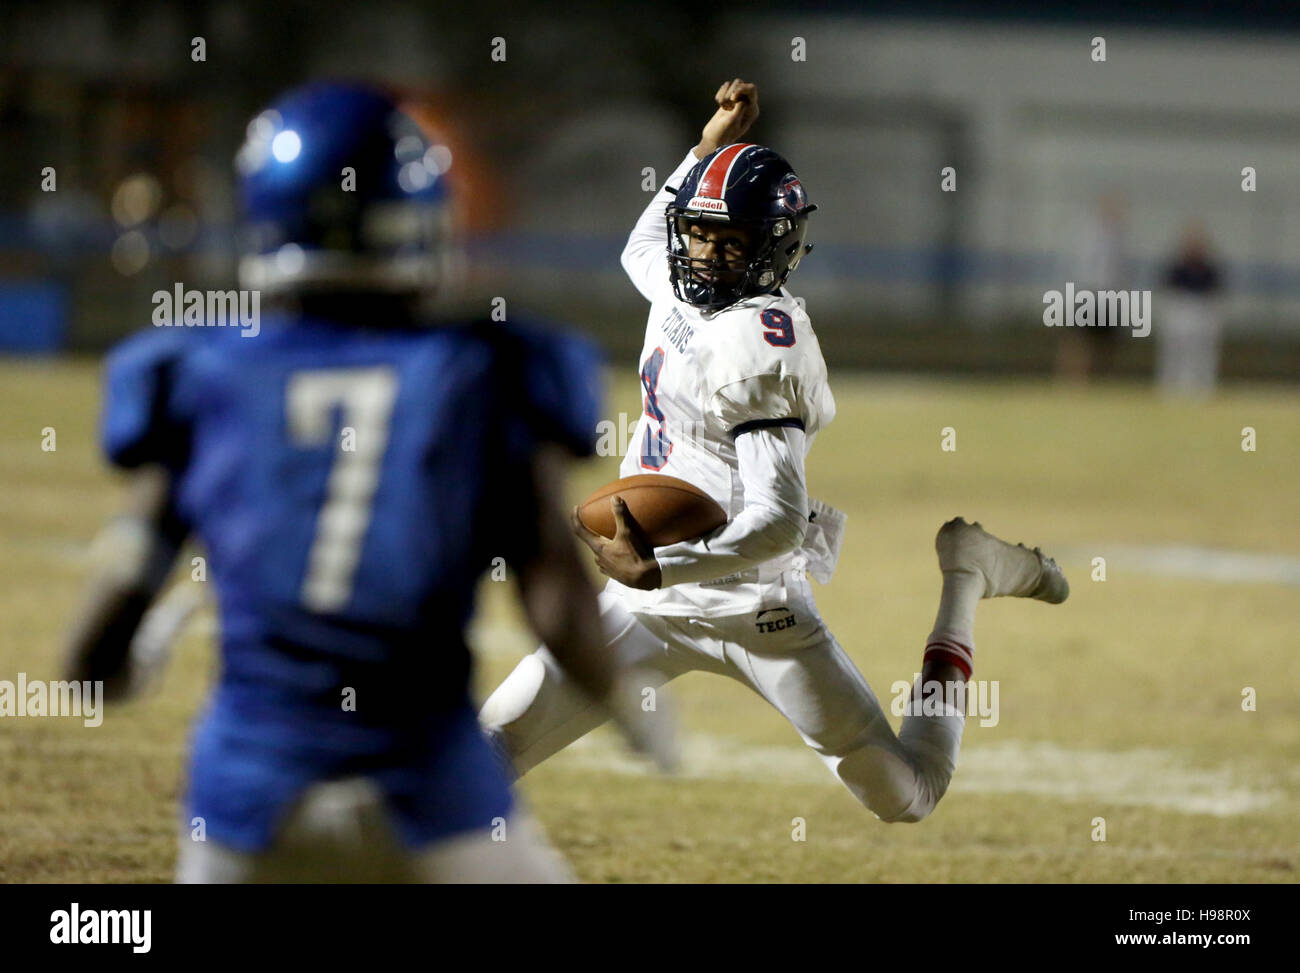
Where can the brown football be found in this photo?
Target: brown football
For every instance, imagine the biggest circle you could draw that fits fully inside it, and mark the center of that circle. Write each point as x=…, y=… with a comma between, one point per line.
x=666, y=509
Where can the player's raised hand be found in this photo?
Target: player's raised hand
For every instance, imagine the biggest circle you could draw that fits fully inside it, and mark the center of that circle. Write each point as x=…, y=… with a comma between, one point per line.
x=737, y=111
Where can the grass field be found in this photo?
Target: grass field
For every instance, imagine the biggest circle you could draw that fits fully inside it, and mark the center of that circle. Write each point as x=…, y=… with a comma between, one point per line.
x=1124, y=704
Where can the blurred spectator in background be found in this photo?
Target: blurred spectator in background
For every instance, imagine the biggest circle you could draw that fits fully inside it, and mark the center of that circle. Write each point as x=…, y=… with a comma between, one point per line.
x=1102, y=262
x=1190, y=329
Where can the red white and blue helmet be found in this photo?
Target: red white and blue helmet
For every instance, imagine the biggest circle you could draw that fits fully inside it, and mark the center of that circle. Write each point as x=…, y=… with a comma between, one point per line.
x=343, y=189
x=750, y=187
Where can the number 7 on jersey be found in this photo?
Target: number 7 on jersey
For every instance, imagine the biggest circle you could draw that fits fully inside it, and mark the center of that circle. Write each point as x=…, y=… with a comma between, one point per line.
x=366, y=396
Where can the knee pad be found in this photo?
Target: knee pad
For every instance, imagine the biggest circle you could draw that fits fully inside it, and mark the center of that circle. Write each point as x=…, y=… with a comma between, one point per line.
x=511, y=699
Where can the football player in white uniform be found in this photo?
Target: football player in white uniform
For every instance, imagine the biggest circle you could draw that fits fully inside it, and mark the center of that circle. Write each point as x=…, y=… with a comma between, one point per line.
x=735, y=391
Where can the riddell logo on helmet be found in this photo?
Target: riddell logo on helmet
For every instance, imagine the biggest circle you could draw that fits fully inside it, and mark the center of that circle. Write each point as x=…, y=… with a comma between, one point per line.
x=707, y=205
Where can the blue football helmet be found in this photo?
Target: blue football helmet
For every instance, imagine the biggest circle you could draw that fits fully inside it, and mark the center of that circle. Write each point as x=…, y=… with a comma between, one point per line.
x=746, y=186
x=342, y=189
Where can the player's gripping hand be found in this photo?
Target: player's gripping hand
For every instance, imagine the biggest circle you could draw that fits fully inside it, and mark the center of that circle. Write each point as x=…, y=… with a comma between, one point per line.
x=627, y=557
x=737, y=111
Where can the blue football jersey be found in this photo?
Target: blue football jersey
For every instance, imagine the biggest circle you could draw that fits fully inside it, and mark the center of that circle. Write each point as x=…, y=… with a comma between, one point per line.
x=350, y=486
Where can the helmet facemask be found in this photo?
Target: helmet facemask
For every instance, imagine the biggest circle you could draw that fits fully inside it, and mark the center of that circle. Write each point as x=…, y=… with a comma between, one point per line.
x=728, y=276
x=775, y=247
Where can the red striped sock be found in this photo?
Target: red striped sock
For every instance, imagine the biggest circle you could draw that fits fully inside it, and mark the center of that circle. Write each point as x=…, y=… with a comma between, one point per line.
x=950, y=650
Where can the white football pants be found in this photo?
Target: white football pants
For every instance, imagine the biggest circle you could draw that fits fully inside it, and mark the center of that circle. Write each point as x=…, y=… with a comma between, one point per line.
x=786, y=655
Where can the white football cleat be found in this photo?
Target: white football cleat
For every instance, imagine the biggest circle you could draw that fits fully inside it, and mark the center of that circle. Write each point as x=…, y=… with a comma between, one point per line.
x=1008, y=569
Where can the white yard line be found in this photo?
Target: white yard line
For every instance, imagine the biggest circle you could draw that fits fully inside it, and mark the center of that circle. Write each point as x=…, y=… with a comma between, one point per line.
x=1142, y=778
x=1191, y=561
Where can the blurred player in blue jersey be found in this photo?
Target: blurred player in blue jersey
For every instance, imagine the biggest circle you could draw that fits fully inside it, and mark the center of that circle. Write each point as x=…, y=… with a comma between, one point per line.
x=351, y=466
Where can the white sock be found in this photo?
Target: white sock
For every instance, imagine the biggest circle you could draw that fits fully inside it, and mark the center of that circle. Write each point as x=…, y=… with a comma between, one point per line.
x=953, y=635
x=962, y=591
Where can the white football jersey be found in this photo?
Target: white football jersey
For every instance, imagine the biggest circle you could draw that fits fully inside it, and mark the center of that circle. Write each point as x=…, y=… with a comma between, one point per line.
x=703, y=377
